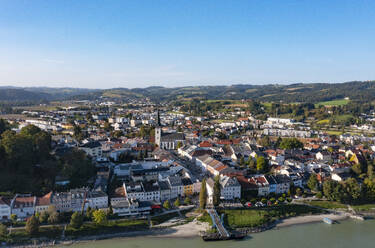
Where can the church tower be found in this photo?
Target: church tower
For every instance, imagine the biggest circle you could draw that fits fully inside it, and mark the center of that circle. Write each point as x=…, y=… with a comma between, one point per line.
x=158, y=131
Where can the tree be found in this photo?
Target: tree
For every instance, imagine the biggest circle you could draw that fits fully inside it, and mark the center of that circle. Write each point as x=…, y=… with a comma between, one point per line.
x=357, y=169
x=179, y=144
x=99, y=217
x=43, y=217
x=265, y=141
x=54, y=218
x=3, y=230
x=32, y=225
x=76, y=220
x=187, y=201
x=217, y=191
x=261, y=164
x=312, y=183
x=166, y=205
x=13, y=218
x=299, y=191
x=291, y=143
x=319, y=195
x=4, y=125
x=203, y=195
x=177, y=202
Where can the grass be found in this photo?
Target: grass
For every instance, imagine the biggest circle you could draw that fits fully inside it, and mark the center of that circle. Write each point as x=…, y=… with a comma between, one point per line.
x=332, y=132
x=337, y=102
x=257, y=217
x=109, y=227
x=364, y=207
x=326, y=204
x=205, y=217
x=323, y=122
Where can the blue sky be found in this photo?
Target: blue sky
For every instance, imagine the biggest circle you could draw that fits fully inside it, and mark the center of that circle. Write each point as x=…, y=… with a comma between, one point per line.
x=104, y=44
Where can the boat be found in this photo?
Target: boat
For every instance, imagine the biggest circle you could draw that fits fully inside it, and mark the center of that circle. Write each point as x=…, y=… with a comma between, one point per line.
x=328, y=220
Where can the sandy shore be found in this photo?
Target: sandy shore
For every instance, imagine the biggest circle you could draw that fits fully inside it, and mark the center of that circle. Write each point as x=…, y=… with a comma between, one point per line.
x=310, y=219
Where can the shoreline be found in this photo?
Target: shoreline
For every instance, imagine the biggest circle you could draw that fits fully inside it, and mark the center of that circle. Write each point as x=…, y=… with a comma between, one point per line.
x=190, y=230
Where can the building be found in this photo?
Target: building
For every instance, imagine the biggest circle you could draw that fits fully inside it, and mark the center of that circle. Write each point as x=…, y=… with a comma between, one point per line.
x=5, y=209
x=43, y=203
x=23, y=206
x=188, y=185
x=92, y=149
x=230, y=188
x=177, y=188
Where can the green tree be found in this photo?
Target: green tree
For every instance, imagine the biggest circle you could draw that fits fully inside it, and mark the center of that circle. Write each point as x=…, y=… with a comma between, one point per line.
x=3, y=228
x=203, y=195
x=32, y=225
x=54, y=218
x=291, y=143
x=187, y=201
x=177, y=202
x=4, y=125
x=166, y=205
x=299, y=192
x=312, y=183
x=179, y=144
x=76, y=220
x=357, y=169
x=13, y=218
x=261, y=164
x=217, y=191
x=99, y=217
x=43, y=217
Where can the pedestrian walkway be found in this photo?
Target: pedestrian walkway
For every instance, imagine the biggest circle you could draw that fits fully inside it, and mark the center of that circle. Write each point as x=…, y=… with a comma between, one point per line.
x=218, y=223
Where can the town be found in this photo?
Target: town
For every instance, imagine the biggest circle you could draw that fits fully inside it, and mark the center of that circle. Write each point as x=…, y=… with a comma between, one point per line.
x=100, y=160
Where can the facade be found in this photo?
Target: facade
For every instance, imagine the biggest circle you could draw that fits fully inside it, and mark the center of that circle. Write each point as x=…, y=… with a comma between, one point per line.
x=5, y=209
x=23, y=206
x=230, y=188
x=188, y=186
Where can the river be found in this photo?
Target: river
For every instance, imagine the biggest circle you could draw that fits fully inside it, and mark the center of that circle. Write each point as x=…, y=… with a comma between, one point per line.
x=347, y=234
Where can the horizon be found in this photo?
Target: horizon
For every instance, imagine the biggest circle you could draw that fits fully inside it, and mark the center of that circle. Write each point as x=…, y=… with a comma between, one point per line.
x=119, y=44
x=171, y=87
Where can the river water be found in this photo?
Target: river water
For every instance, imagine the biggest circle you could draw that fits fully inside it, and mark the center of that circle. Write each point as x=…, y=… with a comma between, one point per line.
x=347, y=234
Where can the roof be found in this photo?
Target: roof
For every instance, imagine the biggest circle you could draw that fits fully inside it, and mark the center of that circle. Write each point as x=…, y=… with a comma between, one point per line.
x=44, y=200
x=172, y=136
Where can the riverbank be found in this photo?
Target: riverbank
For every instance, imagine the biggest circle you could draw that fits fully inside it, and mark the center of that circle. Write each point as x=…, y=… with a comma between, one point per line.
x=309, y=219
x=191, y=229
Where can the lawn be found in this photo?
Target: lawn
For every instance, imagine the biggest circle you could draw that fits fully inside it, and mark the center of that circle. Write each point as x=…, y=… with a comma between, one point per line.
x=326, y=204
x=337, y=102
x=323, y=122
x=364, y=207
x=257, y=217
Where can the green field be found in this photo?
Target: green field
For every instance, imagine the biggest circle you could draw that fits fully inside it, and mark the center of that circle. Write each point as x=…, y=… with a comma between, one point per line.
x=326, y=204
x=338, y=102
x=364, y=207
x=257, y=217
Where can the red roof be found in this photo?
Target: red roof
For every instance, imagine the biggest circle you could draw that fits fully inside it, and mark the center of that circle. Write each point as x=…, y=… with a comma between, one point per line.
x=205, y=144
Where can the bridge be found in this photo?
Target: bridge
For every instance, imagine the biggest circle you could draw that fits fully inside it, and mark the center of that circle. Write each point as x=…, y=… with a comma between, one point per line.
x=218, y=224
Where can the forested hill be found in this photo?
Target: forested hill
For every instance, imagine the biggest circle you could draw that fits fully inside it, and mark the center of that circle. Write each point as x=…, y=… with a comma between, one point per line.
x=361, y=91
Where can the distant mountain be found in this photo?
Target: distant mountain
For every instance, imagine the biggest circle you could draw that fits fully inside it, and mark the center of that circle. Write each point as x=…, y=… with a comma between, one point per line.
x=16, y=94
x=13, y=95
x=358, y=90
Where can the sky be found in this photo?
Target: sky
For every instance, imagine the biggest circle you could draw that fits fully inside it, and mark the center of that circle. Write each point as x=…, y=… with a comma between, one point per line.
x=106, y=44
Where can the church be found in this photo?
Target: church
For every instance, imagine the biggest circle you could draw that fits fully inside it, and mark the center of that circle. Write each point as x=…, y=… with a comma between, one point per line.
x=167, y=141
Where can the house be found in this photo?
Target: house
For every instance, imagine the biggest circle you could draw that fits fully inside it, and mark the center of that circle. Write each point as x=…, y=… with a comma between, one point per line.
x=177, y=188
x=188, y=189
x=62, y=201
x=283, y=184
x=230, y=188
x=5, y=209
x=23, y=206
x=131, y=207
x=165, y=191
x=92, y=149
x=323, y=156
x=339, y=177
x=43, y=203
x=134, y=190
x=262, y=184
x=96, y=200
x=152, y=191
